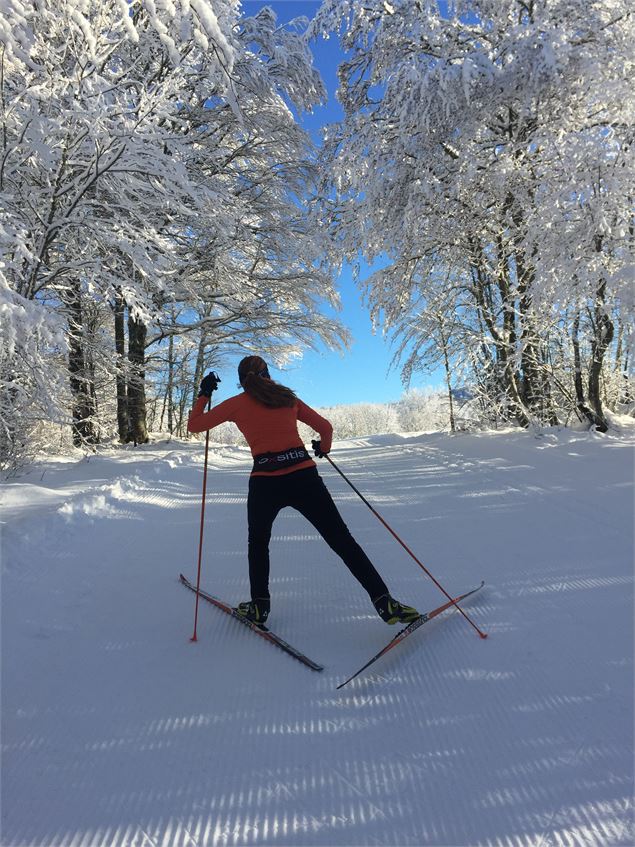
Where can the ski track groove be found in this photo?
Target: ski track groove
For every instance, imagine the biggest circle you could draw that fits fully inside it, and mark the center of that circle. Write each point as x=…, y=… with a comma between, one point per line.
x=417, y=751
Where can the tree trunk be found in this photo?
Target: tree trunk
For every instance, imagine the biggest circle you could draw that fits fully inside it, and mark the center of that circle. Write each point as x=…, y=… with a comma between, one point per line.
x=618, y=348
x=581, y=403
x=602, y=338
x=170, y=388
x=122, y=387
x=83, y=403
x=91, y=324
x=138, y=432
x=181, y=426
x=506, y=375
x=530, y=387
x=535, y=389
x=448, y=374
x=626, y=395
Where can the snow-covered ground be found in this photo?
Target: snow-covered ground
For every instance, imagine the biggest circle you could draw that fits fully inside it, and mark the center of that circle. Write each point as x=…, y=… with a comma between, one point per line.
x=117, y=730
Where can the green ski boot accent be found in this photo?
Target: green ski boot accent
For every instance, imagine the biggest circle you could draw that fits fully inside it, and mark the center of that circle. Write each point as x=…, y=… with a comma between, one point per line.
x=256, y=611
x=392, y=611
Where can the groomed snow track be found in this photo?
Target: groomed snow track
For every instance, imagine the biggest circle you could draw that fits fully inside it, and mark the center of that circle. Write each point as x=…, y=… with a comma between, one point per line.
x=119, y=732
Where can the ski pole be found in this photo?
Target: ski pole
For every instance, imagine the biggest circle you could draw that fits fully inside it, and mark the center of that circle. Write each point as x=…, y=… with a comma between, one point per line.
x=200, y=541
x=406, y=548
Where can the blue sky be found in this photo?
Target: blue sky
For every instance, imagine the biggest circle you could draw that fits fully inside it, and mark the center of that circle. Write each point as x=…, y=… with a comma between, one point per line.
x=324, y=378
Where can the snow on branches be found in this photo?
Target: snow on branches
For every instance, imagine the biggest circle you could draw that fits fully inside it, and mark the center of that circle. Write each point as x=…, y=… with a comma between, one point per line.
x=486, y=151
x=150, y=167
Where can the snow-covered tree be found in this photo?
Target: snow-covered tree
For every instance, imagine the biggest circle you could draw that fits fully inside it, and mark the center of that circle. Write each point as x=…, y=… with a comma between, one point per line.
x=92, y=157
x=150, y=159
x=351, y=420
x=490, y=143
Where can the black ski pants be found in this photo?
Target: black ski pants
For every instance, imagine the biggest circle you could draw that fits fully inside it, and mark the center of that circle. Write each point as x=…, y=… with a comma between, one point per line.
x=304, y=491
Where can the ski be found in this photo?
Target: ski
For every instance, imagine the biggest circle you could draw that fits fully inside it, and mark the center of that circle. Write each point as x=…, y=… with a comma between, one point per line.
x=262, y=631
x=408, y=630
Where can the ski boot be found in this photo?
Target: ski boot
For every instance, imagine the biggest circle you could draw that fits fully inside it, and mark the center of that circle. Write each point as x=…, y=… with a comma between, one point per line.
x=256, y=611
x=392, y=611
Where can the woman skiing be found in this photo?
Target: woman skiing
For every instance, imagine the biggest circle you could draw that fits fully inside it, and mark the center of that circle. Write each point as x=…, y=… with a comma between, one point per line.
x=284, y=474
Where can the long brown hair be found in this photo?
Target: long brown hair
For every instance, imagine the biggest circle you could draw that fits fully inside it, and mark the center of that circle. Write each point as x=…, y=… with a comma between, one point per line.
x=254, y=378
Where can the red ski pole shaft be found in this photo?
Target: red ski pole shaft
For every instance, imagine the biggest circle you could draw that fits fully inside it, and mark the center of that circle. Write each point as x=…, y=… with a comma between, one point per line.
x=407, y=549
x=200, y=540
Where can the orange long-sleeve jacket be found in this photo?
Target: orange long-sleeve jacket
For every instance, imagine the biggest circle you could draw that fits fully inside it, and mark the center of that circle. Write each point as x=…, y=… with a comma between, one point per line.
x=266, y=430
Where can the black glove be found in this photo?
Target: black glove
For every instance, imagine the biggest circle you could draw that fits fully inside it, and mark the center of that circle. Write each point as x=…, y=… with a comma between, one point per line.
x=317, y=449
x=209, y=384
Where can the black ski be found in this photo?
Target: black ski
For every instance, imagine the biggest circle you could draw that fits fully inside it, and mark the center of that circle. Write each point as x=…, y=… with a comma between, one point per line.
x=408, y=630
x=263, y=631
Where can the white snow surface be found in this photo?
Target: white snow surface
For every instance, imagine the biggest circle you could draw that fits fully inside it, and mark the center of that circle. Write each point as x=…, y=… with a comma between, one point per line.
x=118, y=731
